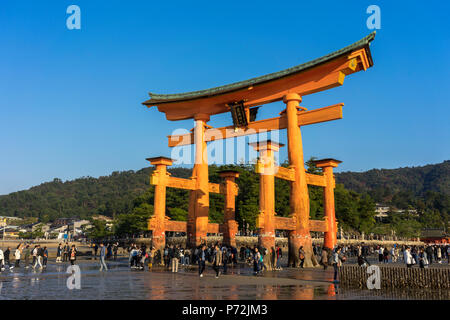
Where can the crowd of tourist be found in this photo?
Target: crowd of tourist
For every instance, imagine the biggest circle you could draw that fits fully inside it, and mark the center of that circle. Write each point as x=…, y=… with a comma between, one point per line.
x=35, y=256
x=422, y=256
x=220, y=257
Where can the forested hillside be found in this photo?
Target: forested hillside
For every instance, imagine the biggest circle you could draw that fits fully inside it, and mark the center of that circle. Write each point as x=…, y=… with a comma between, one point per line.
x=425, y=189
x=383, y=184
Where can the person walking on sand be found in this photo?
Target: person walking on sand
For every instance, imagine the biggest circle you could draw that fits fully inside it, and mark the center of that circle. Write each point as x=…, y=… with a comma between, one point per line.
x=256, y=261
x=380, y=254
x=73, y=255
x=17, y=255
x=27, y=253
x=226, y=258
x=429, y=251
x=34, y=254
x=95, y=246
x=337, y=260
x=40, y=256
x=44, y=257
x=217, y=260
x=65, y=252
x=102, y=257
x=37, y=256
x=279, y=254
x=439, y=254
x=108, y=251
x=58, y=252
x=407, y=257
x=423, y=261
x=202, y=261
x=385, y=255
x=187, y=257
x=151, y=256
x=393, y=254
x=174, y=258
x=115, y=249
x=301, y=255
x=324, y=258
x=6, y=255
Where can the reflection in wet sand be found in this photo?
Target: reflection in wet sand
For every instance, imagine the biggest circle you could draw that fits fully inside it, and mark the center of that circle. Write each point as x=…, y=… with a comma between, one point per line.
x=270, y=293
x=119, y=282
x=331, y=290
x=305, y=293
x=234, y=293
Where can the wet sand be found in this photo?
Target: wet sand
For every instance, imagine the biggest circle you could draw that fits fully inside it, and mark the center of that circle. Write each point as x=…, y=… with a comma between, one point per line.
x=120, y=282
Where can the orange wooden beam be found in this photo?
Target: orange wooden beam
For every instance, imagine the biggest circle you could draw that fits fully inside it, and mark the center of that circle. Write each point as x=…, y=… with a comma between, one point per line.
x=289, y=174
x=179, y=183
x=286, y=223
x=319, y=115
x=328, y=81
x=281, y=223
x=316, y=180
x=187, y=184
x=285, y=173
x=216, y=188
x=181, y=226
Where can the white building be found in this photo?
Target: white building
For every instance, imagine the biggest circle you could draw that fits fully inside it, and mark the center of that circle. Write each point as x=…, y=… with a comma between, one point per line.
x=381, y=211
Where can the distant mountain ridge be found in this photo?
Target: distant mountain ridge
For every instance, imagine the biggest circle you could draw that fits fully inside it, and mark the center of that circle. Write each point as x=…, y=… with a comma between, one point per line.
x=116, y=193
x=417, y=180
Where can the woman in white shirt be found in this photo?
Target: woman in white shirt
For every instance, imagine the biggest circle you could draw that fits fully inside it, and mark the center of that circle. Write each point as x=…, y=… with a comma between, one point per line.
x=408, y=257
x=17, y=254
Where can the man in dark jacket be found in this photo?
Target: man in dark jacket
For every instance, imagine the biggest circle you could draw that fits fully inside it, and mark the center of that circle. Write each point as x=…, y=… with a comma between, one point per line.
x=226, y=252
x=234, y=254
x=201, y=260
x=174, y=258
x=115, y=249
x=429, y=251
x=95, y=251
x=6, y=256
x=65, y=252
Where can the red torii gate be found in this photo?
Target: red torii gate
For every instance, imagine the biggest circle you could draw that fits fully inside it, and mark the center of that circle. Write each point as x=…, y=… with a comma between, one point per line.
x=288, y=85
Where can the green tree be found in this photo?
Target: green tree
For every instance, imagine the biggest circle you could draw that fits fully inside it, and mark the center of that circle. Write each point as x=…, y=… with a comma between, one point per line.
x=99, y=229
x=366, y=213
x=135, y=222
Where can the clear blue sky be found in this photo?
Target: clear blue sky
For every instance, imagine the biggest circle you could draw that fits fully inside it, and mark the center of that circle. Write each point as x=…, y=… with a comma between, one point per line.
x=70, y=100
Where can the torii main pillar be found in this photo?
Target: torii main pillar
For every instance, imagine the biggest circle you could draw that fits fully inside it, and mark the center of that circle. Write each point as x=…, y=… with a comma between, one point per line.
x=266, y=169
x=231, y=191
x=159, y=206
x=299, y=198
x=327, y=165
x=197, y=226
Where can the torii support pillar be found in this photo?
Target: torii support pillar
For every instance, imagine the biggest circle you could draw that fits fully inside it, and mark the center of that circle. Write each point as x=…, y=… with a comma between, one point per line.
x=231, y=191
x=197, y=226
x=266, y=169
x=299, y=197
x=327, y=165
x=157, y=222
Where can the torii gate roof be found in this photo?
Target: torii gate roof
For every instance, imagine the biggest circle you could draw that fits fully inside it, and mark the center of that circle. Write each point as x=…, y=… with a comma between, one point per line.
x=319, y=74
